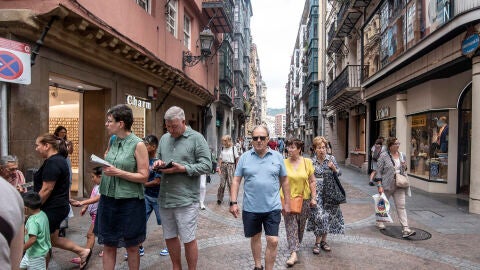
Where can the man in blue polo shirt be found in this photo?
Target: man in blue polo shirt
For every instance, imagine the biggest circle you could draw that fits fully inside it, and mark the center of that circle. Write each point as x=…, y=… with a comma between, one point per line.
x=264, y=171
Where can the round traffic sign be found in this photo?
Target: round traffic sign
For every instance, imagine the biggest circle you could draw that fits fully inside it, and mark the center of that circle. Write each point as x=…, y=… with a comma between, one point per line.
x=11, y=66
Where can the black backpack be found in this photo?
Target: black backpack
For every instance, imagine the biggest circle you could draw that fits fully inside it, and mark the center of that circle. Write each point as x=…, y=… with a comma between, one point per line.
x=376, y=152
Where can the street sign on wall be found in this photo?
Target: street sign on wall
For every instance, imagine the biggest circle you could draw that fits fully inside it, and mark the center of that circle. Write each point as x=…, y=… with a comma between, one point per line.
x=14, y=62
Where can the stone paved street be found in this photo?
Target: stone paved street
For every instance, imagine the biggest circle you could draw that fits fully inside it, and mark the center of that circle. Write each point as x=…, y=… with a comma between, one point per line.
x=453, y=245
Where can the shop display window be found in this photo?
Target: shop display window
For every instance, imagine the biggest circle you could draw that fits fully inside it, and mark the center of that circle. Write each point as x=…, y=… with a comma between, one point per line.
x=387, y=128
x=429, y=146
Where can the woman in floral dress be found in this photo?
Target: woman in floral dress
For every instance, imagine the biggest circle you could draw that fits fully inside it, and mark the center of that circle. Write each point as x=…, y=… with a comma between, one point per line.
x=325, y=218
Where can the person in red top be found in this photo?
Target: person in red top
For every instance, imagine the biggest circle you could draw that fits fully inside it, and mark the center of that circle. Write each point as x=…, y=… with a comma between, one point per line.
x=272, y=144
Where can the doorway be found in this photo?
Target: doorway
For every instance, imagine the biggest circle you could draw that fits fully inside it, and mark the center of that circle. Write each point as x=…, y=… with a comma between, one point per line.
x=64, y=111
x=464, y=140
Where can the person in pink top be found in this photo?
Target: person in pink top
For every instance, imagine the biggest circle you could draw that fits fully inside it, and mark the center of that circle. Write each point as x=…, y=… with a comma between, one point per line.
x=90, y=205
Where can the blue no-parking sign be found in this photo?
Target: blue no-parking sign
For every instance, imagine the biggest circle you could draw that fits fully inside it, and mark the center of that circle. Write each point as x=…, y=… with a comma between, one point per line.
x=14, y=62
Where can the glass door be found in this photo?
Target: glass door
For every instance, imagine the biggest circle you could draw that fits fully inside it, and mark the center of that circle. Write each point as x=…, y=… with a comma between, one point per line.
x=464, y=143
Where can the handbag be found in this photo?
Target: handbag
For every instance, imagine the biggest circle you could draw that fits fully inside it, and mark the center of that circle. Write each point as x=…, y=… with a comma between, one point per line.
x=401, y=180
x=295, y=204
x=333, y=192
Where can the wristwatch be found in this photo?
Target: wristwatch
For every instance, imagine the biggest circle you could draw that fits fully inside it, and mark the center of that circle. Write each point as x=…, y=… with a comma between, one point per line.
x=232, y=203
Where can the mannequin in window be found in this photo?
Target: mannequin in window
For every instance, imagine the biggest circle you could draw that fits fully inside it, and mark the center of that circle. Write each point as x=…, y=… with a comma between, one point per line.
x=442, y=137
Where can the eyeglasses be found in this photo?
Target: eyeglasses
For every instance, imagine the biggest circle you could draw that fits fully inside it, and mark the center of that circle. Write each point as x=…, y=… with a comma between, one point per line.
x=255, y=138
x=110, y=121
x=397, y=143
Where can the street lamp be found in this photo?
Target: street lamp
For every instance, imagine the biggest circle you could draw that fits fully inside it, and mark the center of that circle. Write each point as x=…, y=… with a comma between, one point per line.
x=206, y=38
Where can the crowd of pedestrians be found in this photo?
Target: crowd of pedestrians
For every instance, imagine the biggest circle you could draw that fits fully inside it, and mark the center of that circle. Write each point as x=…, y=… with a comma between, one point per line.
x=168, y=176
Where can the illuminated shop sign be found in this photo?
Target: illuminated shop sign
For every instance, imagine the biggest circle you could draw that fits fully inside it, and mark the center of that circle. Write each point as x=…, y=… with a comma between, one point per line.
x=137, y=102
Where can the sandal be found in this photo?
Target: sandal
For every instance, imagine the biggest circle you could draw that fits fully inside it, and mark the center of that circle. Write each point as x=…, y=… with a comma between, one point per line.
x=325, y=246
x=316, y=248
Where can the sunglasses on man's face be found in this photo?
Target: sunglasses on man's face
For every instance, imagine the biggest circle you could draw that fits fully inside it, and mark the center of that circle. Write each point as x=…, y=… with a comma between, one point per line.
x=255, y=138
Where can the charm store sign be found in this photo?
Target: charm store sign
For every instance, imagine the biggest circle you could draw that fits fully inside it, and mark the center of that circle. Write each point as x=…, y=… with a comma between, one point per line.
x=137, y=102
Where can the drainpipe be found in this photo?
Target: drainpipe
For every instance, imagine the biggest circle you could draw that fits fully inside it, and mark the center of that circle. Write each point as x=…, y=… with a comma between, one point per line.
x=3, y=119
x=39, y=42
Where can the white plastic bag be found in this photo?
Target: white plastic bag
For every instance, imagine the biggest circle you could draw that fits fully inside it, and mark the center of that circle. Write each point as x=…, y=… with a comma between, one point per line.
x=382, y=208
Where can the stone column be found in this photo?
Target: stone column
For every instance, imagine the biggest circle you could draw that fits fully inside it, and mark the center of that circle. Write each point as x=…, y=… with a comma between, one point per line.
x=401, y=123
x=474, y=206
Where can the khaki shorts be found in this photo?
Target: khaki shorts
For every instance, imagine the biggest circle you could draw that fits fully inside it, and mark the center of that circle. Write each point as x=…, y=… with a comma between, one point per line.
x=180, y=221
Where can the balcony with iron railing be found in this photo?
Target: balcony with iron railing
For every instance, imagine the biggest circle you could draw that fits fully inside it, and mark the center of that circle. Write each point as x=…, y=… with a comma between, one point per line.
x=239, y=105
x=349, y=78
x=220, y=12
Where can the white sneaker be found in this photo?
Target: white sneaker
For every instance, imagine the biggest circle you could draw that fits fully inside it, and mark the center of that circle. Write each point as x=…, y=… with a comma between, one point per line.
x=407, y=233
x=202, y=206
x=380, y=225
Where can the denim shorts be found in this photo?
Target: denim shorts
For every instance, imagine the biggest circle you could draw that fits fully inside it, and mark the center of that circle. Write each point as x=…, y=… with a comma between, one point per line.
x=252, y=223
x=120, y=222
x=180, y=221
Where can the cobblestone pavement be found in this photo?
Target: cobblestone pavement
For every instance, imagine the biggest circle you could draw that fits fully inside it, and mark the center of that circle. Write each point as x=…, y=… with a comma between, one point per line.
x=454, y=242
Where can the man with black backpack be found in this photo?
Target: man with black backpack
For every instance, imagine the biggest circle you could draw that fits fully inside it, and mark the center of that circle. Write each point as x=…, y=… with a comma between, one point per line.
x=376, y=151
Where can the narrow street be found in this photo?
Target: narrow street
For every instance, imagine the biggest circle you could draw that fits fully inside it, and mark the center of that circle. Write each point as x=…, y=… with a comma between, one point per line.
x=455, y=235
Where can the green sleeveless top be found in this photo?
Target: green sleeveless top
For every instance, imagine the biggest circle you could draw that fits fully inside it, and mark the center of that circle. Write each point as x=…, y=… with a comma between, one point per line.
x=122, y=155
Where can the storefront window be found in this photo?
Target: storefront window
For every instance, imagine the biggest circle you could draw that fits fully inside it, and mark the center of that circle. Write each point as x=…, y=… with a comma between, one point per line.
x=387, y=128
x=429, y=145
x=139, y=107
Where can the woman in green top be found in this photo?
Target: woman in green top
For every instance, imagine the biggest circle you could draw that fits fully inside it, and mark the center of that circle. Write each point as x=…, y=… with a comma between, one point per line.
x=120, y=218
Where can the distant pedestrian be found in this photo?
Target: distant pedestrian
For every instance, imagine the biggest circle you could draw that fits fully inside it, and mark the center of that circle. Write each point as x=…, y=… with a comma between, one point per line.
x=179, y=189
x=281, y=146
x=389, y=163
x=302, y=184
x=264, y=172
x=272, y=144
x=37, y=240
x=227, y=162
x=326, y=218
x=377, y=149
x=120, y=220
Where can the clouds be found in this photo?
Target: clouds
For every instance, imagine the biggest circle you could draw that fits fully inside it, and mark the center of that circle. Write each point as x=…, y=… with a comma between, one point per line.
x=274, y=27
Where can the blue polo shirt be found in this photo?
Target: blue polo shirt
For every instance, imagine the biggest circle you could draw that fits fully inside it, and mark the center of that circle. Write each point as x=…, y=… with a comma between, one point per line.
x=261, y=190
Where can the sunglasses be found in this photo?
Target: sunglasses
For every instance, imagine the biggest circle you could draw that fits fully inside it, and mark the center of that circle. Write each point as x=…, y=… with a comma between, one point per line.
x=255, y=138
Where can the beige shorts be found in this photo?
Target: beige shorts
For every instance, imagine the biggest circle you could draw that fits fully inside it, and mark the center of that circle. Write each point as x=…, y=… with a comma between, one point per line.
x=180, y=221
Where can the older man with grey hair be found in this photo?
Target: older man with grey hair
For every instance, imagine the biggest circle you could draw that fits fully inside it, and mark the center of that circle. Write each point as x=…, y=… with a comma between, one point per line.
x=9, y=171
x=188, y=156
x=263, y=171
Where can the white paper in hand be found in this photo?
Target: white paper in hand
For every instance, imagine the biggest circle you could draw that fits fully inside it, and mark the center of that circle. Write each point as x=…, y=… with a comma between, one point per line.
x=98, y=161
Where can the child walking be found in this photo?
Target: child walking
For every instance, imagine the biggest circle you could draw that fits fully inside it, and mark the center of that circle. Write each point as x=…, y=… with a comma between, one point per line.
x=37, y=234
x=90, y=205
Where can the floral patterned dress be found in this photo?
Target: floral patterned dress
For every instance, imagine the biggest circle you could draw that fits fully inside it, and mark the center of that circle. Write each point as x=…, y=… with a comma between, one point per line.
x=325, y=218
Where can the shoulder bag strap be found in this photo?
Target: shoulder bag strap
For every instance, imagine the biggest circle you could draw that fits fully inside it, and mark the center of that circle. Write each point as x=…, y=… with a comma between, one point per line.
x=234, y=160
x=393, y=162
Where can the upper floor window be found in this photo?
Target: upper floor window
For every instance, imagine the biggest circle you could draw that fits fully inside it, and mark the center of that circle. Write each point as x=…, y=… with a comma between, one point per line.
x=235, y=49
x=145, y=4
x=171, y=13
x=187, y=25
x=236, y=13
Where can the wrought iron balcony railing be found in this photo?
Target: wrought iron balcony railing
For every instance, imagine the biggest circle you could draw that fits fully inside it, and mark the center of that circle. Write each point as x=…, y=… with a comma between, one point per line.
x=350, y=77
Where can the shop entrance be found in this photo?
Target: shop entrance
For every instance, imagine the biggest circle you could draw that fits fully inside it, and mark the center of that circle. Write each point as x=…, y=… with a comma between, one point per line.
x=64, y=111
x=464, y=140
x=80, y=109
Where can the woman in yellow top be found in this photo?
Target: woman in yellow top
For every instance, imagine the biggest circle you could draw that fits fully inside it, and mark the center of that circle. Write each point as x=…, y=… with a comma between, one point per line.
x=302, y=183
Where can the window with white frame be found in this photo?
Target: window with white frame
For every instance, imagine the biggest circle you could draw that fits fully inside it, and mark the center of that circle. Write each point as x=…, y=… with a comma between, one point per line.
x=145, y=4
x=235, y=49
x=187, y=25
x=172, y=17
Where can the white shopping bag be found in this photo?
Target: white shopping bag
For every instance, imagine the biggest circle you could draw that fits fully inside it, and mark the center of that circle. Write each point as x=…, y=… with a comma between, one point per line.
x=382, y=208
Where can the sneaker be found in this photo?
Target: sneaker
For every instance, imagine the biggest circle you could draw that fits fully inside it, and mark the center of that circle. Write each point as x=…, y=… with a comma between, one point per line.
x=371, y=183
x=164, y=252
x=141, y=251
x=380, y=225
x=202, y=206
x=407, y=233
x=219, y=202
x=125, y=256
